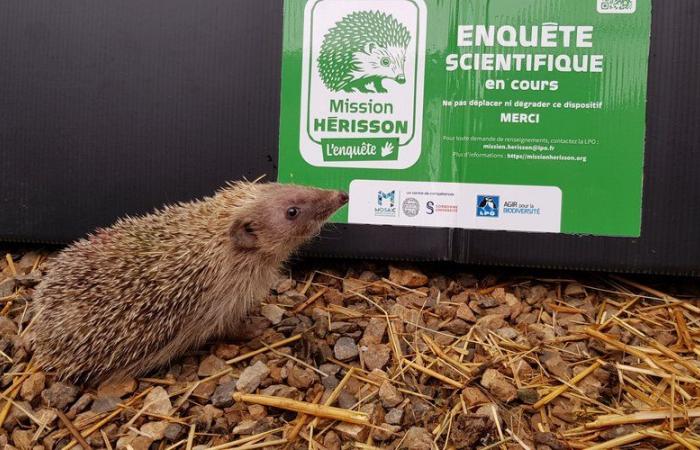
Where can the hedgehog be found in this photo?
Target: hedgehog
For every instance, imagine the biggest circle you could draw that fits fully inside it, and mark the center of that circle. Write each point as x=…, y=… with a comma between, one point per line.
x=130, y=298
x=361, y=50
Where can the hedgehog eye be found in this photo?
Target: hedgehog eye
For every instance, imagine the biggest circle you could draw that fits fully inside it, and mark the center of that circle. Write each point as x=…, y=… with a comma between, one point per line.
x=292, y=213
x=385, y=62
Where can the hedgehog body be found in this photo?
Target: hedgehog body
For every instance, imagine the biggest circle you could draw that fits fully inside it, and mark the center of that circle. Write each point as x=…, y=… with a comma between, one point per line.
x=363, y=49
x=131, y=297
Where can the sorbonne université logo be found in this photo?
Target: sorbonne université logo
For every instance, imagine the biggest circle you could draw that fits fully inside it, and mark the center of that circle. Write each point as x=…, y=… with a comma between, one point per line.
x=362, y=50
x=487, y=205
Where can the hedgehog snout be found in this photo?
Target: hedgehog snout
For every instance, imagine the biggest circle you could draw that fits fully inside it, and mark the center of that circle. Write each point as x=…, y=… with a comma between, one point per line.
x=401, y=79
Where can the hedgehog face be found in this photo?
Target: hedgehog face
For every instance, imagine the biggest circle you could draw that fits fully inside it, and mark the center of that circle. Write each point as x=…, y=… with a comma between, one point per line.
x=282, y=217
x=383, y=62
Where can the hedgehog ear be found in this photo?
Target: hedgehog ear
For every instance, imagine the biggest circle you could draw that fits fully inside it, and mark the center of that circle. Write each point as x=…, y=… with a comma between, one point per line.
x=243, y=235
x=369, y=47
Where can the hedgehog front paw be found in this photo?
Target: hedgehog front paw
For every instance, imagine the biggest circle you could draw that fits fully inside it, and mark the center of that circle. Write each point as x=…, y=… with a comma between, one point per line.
x=378, y=88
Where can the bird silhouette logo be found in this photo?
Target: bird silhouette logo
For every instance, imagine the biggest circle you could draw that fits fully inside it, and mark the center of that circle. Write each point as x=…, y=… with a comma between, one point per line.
x=487, y=205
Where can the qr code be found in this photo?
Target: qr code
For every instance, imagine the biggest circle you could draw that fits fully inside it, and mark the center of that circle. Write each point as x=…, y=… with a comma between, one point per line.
x=617, y=6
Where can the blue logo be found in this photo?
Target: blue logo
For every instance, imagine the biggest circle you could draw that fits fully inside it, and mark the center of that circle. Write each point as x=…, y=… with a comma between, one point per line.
x=386, y=204
x=487, y=205
x=386, y=198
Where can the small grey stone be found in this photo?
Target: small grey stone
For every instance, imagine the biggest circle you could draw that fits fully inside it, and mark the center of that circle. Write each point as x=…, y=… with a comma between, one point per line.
x=252, y=376
x=457, y=327
x=374, y=332
x=346, y=400
x=134, y=441
x=376, y=356
x=293, y=297
x=18, y=413
x=117, y=387
x=417, y=438
x=273, y=313
x=394, y=416
x=301, y=378
x=281, y=390
x=22, y=438
x=173, y=432
x=79, y=406
x=284, y=285
x=498, y=385
x=154, y=430
x=7, y=287
x=223, y=395
x=245, y=427
x=465, y=313
x=205, y=415
x=59, y=395
x=352, y=431
x=46, y=415
x=330, y=369
x=509, y=333
x=528, y=395
x=408, y=277
x=226, y=351
x=390, y=395
x=342, y=327
x=332, y=441
x=385, y=432
x=554, y=363
x=251, y=426
x=158, y=401
x=345, y=349
x=33, y=386
x=104, y=404
x=211, y=365
x=329, y=383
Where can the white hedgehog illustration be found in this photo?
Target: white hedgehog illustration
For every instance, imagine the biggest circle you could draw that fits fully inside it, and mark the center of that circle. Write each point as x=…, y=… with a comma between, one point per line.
x=363, y=49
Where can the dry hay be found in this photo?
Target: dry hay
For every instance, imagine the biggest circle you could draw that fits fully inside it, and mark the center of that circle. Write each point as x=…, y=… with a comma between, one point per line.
x=372, y=356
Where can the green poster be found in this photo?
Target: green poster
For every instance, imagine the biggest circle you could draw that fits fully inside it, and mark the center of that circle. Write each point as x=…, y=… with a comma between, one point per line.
x=522, y=115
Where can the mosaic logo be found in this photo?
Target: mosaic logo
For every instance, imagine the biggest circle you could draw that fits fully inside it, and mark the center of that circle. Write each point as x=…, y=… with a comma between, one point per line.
x=487, y=205
x=386, y=204
x=386, y=197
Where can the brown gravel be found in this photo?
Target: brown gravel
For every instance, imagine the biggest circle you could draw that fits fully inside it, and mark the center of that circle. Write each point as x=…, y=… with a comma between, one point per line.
x=403, y=358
